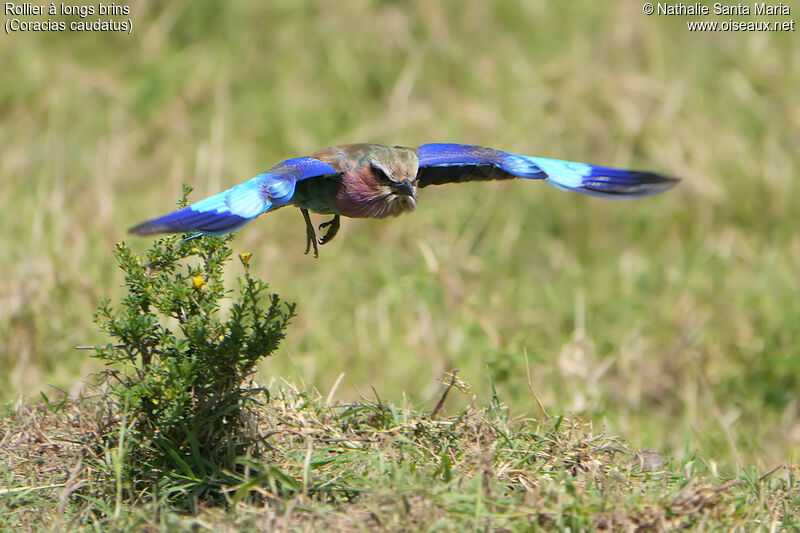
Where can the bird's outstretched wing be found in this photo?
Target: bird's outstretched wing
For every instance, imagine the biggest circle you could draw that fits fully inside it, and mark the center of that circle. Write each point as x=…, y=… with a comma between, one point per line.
x=455, y=163
x=232, y=209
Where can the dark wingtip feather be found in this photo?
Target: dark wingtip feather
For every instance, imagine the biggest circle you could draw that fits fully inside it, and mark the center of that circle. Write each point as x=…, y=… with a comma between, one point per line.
x=187, y=219
x=139, y=230
x=146, y=228
x=626, y=183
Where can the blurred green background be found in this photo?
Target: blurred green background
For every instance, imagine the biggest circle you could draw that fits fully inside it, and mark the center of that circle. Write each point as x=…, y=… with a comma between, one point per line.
x=673, y=321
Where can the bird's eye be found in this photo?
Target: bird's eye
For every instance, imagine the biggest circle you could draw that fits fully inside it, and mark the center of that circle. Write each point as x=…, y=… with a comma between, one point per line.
x=380, y=175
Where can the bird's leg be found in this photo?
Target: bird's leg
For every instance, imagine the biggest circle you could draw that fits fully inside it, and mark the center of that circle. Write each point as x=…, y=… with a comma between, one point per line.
x=332, y=230
x=311, y=235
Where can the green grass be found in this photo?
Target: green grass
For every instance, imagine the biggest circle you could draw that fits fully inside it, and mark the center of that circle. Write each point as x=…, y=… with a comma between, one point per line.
x=671, y=321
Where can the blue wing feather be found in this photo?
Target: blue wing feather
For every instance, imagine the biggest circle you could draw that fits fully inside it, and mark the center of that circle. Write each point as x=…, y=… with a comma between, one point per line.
x=444, y=163
x=235, y=207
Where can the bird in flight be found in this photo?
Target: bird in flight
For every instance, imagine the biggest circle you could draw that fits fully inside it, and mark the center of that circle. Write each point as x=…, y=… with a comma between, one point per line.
x=377, y=181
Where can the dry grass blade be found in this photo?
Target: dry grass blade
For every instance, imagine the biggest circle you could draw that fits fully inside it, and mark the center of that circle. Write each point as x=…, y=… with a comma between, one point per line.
x=440, y=403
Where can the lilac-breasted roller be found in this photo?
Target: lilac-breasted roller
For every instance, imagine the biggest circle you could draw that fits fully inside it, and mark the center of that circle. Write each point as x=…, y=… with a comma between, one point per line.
x=376, y=181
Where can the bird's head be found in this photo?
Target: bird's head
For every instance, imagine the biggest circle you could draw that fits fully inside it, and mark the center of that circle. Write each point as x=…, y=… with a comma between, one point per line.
x=394, y=170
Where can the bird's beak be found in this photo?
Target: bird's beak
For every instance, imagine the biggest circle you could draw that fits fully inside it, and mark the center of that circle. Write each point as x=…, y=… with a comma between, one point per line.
x=405, y=187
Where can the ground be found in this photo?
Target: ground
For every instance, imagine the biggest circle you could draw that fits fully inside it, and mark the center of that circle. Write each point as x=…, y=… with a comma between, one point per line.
x=374, y=466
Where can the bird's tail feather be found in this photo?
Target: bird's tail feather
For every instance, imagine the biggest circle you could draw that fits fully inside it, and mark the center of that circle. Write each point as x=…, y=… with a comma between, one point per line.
x=215, y=215
x=596, y=180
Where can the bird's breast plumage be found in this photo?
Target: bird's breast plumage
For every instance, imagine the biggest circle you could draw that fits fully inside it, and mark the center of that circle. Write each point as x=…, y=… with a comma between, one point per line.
x=362, y=196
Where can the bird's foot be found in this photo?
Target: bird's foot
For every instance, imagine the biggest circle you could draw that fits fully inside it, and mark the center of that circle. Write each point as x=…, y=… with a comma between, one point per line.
x=332, y=230
x=311, y=235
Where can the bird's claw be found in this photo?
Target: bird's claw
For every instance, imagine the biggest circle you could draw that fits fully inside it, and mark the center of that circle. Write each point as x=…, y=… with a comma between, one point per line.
x=311, y=236
x=309, y=242
x=332, y=230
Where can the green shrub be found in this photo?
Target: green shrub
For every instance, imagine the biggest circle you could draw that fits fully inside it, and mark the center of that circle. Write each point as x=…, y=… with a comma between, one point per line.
x=179, y=371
